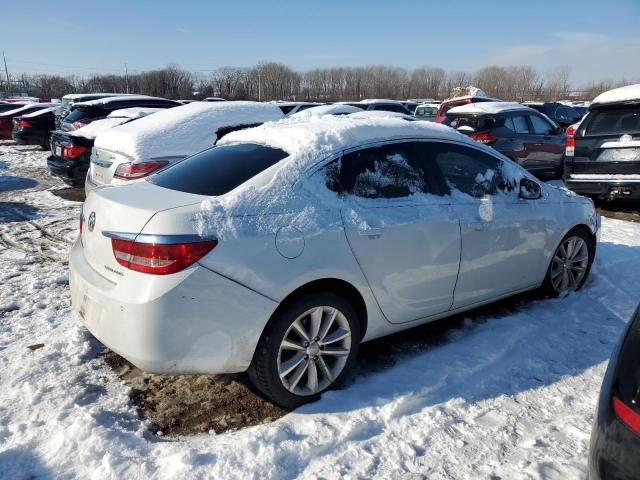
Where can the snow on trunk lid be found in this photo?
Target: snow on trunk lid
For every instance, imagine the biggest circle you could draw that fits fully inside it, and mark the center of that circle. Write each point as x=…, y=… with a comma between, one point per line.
x=126, y=210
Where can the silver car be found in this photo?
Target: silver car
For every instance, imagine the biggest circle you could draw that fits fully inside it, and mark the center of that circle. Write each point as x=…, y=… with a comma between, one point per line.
x=283, y=248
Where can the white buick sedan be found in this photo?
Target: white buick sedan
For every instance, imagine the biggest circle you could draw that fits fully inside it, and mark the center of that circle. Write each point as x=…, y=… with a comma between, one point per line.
x=287, y=245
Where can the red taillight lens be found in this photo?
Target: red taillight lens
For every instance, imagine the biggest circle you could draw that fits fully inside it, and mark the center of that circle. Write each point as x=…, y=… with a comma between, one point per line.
x=571, y=129
x=159, y=259
x=570, y=145
x=626, y=414
x=78, y=125
x=133, y=171
x=484, y=137
x=23, y=124
x=81, y=223
x=73, y=151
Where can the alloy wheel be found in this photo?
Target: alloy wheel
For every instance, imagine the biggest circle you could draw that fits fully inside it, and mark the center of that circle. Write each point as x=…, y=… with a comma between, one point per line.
x=569, y=264
x=314, y=351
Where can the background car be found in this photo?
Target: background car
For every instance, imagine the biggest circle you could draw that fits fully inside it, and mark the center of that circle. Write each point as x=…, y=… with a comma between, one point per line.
x=71, y=151
x=68, y=101
x=615, y=440
x=282, y=248
x=449, y=103
x=291, y=108
x=6, y=106
x=35, y=128
x=518, y=132
x=380, y=104
x=86, y=112
x=603, y=156
x=6, y=118
x=134, y=151
x=319, y=110
x=427, y=111
x=563, y=115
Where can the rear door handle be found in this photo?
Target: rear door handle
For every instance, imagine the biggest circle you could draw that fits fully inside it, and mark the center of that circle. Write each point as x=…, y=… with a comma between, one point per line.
x=370, y=232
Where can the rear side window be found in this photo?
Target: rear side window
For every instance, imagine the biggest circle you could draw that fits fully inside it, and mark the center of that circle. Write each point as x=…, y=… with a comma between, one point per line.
x=517, y=124
x=218, y=170
x=388, y=171
x=615, y=121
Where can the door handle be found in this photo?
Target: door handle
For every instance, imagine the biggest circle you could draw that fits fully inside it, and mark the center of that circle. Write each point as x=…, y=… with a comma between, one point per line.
x=478, y=226
x=370, y=232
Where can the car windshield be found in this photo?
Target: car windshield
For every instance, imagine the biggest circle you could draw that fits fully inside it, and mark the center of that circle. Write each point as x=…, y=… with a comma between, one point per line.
x=614, y=121
x=218, y=170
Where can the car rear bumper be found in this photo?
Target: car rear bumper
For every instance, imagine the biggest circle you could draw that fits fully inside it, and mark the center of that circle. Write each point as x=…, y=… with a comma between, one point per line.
x=70, y=172
x=196, y=322
x=606, y=187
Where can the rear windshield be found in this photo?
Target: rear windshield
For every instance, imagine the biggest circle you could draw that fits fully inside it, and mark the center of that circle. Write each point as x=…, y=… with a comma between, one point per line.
x=80, y=114
x=478, y=123
x=420, y=111
x=218, y=170
x=614, y=121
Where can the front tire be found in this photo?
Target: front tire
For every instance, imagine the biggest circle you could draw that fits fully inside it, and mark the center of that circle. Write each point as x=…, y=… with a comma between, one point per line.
x=308, y=348
x=570, y=264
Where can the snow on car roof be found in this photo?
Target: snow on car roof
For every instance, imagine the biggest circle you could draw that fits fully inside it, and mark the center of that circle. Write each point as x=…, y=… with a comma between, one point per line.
x=183, y=130
x=316, y=136
x=373, y=101
x=619, y=95
x=466, y=97
x=106, y=100
x=327, y=110
x=43, y=111
x=73, y=96
x=480, y=108
x=28, y=106
x=134, y=112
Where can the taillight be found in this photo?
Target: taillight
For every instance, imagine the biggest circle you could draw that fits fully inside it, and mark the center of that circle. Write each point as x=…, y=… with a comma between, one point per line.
x=571, y=130
x=627, y=415
x=81, y=222
x=73, y=151
x=159, y=258
x=133, y=171
x=23, y=124
x=570, y=146
x=484, y=137
x=77, y=125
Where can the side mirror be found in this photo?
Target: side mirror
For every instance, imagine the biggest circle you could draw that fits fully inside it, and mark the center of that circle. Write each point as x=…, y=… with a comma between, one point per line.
x=529, y=190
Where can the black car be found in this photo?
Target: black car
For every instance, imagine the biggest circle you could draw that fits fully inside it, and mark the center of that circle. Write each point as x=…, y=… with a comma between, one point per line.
x=86, y=112
x=34, y=128
x=6, y=106
x=562, y=114
x=615, y=439
x=68, y=101
x=603, y=157
x=71, y=151
x=516, y=131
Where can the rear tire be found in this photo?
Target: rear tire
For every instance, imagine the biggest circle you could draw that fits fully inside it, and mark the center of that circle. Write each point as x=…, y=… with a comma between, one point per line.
x=309, y=347
x=570, y=264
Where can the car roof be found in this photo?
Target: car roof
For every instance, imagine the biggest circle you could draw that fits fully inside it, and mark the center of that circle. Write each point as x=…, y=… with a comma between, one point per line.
x=74, y=96
x=373, y=101
x=313, y=137
x=120, y=98
x=467, y=97
x=489, y=108
x=627, y=94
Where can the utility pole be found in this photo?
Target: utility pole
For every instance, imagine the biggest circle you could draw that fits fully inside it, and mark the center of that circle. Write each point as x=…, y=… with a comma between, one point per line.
x=6, y=71
x=126, y=76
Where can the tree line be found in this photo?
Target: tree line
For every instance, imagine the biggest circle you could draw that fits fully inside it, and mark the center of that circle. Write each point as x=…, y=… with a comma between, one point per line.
x=275, y=81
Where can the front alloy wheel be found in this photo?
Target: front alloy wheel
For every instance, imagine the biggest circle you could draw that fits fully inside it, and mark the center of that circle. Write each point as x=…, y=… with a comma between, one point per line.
x=570, y=264
x=307, y=348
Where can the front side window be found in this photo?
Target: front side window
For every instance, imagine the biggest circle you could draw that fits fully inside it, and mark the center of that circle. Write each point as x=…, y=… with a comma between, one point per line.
x=387, y=171
x=517, y=124
x=469, y=170
x=540, y=125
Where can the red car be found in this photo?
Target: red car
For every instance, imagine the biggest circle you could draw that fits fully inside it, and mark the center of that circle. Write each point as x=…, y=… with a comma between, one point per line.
x=457, y=101
x=6, y=118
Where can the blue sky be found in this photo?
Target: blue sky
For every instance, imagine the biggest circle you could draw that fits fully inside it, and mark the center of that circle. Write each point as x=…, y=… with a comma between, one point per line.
x=597, y=39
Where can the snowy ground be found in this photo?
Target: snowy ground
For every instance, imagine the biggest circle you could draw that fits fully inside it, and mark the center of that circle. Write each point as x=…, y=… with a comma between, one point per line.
x=509, y=394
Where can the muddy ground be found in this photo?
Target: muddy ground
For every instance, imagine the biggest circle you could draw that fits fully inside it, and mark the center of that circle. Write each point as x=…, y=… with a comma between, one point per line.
x=184, y=405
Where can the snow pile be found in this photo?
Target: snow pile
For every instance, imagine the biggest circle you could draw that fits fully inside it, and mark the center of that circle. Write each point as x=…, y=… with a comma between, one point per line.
x=115, y=118
x=183, y=130
x=622, y=94
x=326, y=110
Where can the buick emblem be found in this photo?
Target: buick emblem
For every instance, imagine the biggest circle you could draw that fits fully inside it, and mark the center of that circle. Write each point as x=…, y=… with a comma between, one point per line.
x=92, y=221
x=626, y=138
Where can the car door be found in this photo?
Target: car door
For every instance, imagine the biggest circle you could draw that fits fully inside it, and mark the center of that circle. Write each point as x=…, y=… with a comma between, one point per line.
x=406, y=241
x=524, y=144
x=503, y=238
x=550, y=143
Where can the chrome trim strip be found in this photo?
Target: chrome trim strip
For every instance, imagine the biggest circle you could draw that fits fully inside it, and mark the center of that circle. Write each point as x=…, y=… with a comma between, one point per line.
x=157, y=239
x=613, y=181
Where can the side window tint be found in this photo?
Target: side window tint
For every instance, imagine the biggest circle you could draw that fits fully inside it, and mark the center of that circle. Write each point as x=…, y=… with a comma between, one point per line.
x=388, y=171
x=540, y=126
x=517, y=124
x=469, y=170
